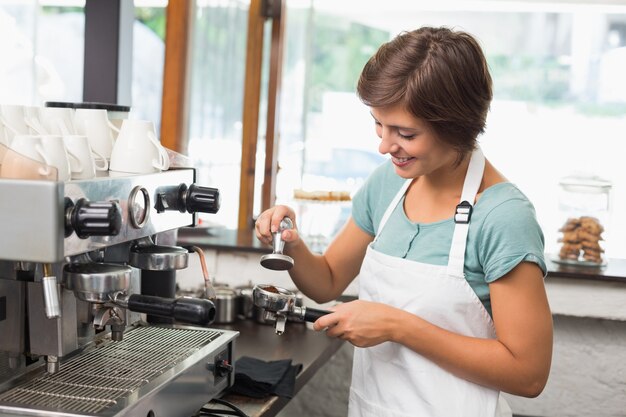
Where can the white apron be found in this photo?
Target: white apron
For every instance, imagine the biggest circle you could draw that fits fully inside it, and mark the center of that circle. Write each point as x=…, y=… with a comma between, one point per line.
x=392, y=380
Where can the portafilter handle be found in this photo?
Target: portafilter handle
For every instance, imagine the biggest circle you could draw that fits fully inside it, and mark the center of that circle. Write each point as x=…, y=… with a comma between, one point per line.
x=309, y=314
x=187, y=310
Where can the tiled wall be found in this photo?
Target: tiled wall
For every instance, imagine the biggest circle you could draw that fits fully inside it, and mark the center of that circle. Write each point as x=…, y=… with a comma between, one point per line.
x=237, y=268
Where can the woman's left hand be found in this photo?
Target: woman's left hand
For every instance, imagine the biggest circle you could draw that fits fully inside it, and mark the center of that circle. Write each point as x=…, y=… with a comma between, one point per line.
x=362, y=323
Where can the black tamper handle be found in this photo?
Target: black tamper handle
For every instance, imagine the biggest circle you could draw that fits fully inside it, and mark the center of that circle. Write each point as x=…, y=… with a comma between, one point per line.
x=312, y=314
x=187, y=310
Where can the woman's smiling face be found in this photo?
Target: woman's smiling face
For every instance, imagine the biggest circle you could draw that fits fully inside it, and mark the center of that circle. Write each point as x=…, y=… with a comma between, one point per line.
x=414, y=148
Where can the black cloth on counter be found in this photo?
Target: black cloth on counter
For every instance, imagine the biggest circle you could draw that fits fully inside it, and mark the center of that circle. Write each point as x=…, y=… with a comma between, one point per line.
x=257, y=378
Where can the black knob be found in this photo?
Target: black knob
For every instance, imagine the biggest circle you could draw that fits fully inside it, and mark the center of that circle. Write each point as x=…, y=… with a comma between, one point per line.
x=223, y=367
x=94, y=218
x=202, y=199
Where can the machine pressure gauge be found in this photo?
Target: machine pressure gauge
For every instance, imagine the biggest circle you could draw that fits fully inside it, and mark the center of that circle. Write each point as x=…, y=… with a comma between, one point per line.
x=138, y=207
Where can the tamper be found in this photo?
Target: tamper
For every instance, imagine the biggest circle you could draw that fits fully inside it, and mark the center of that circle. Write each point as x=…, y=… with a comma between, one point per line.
x=277, y=260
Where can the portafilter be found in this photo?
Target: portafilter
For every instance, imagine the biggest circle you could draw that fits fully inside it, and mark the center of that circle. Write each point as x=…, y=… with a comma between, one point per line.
x=280, y=303
x=107, y=284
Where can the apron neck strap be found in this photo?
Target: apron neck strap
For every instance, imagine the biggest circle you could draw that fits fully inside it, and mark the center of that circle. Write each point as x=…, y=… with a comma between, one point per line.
x=473, y=178
x=392, y=206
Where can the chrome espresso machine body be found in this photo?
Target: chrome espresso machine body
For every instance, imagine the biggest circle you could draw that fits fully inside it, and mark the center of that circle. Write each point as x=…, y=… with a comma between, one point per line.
x=77, y=259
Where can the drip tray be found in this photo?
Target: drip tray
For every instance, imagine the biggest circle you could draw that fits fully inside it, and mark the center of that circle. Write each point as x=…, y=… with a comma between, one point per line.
x=107, y=378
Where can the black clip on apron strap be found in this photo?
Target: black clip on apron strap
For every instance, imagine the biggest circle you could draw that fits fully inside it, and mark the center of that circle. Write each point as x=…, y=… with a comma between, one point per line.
x=463, y=213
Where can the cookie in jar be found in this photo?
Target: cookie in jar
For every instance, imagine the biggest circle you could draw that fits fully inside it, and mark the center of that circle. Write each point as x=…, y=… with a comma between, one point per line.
x=580, y=240
x=584, y=206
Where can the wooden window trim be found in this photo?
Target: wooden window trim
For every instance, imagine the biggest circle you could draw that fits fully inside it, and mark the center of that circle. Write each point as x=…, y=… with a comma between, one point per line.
x=251, y=108
x=174, y=109
x=272, y=136
x=174, y=113
x=259, y=11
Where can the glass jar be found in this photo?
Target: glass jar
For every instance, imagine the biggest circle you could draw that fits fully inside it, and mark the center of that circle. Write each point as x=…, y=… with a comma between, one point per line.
x=584, y=208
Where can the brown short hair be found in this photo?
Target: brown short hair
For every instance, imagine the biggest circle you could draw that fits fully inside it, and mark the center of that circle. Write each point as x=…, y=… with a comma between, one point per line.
x=439, y=75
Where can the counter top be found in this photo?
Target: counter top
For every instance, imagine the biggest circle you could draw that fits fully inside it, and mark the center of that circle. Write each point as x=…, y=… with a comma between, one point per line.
x=299, y=343
x=614, y=270
x=219, y=238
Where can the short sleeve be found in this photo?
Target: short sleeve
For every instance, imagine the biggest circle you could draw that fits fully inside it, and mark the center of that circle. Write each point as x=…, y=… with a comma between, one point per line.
x=361, y=208
x=510, y=235
x=371, y=200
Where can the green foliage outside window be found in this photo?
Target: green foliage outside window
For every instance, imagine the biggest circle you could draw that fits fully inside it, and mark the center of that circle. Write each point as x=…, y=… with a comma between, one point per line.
x=61, y=9
x=529, y=78
x=153, y=17
x=340, y=50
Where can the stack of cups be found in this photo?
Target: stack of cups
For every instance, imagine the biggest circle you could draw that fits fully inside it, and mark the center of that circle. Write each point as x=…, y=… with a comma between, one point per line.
x=78, y=143
x=137, y=149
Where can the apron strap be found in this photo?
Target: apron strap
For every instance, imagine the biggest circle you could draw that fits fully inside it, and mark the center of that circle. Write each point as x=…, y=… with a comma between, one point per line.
x=393, y=205
x=463, y=214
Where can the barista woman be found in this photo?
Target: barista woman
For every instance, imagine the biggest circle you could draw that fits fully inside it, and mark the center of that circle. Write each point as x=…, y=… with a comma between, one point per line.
x=452, y=307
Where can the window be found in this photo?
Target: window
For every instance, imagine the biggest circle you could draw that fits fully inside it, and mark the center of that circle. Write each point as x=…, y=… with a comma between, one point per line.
x=36, y=67
x=216, y=100
x=559, y=102
x=148, y=59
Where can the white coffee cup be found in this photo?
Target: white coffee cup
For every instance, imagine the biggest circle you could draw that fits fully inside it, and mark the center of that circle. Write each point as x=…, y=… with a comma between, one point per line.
x=57, y=120
x=4, y=137
x=82, y=162
x=12, y=120
x=17, y=166
x=116, y=126
x=49, y=150
x=137, y=149
x=32, y=120
x=3, y=148
x=95, y=124
x=30, y=146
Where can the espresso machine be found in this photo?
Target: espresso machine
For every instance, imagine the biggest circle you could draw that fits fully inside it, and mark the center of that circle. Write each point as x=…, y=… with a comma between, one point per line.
x=89, y=323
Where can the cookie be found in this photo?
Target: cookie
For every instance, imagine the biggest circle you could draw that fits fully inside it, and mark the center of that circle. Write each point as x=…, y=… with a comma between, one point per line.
x=592, y=258
x=570, y=224
x=591, y=225
x=586, y=236
x=570, y=237
x=591, y=248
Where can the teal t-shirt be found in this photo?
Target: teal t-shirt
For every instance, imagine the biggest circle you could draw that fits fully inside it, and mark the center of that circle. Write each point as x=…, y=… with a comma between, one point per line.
x=503, y=230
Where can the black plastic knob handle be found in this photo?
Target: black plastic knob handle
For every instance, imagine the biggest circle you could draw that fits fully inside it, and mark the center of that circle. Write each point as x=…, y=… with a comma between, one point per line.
x=223, y=367
x=202, y=199
x=95, y=218
x=186, y=310
x=312, y=314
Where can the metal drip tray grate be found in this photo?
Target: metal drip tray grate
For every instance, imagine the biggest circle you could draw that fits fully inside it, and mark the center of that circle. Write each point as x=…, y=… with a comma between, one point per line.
x=96, y=380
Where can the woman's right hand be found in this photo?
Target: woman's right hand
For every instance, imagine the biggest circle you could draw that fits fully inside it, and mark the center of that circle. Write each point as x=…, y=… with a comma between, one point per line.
x=268, y=222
